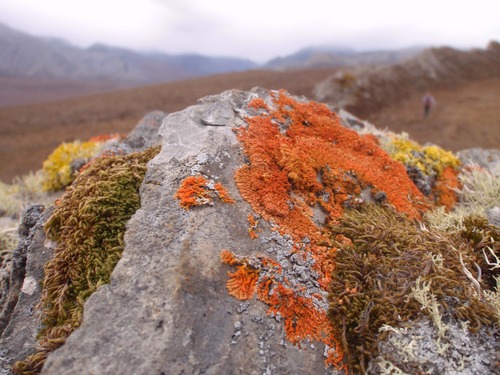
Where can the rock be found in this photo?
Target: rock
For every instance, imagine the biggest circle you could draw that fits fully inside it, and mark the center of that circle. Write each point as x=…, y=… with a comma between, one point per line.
x=143, y=136
x=168, y=290
x=488, y=159
x=19, y=321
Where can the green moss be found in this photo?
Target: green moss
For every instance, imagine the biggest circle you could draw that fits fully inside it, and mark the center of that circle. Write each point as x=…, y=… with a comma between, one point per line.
x=88, y=225
x=384, y=266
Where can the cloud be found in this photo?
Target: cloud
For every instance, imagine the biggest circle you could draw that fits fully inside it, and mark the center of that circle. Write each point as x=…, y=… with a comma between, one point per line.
x=260, y=29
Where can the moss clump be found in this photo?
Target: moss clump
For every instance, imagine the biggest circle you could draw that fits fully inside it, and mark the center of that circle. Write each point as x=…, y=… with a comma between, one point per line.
x=484, y=239
x=88, y=225
x=384, y=271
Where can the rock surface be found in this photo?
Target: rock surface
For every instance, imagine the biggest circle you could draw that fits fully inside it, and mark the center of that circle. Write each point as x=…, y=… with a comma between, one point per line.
x=19, y=320
x=168, y=291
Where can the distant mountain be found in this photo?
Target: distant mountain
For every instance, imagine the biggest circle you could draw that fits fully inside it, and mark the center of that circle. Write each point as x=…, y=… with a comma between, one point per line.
x=27, y=56
x=338, y=56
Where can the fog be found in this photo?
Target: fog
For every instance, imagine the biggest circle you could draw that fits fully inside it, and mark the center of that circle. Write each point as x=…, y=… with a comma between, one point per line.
x=258, y=30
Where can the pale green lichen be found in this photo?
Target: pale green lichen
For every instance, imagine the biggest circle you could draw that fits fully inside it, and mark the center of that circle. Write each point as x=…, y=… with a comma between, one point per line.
x=480, y=191
x=9, y=201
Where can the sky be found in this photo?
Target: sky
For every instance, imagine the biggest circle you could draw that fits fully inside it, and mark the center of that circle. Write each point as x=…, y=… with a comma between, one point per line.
x=258, y=29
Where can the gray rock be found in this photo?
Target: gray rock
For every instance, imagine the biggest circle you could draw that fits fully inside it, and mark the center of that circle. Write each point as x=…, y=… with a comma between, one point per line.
x=167, y=309
x=488, y=159
x=19, y=320
x=417, y=349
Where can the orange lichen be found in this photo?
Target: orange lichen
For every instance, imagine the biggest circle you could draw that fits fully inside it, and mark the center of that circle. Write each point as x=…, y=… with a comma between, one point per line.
x=314, y=144
x=253, y=227
x=242, y=284
x=258, y=103
x=446, y=188
x=223, y=193
x=193, y=192
x=300, y=159
x=196, y=191
x=228, y=257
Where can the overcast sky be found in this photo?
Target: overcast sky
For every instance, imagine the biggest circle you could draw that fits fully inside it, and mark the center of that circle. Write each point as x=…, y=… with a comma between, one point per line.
x=257, y=29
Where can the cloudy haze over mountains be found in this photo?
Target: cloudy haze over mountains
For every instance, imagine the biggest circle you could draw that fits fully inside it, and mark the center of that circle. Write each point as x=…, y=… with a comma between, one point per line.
x=259, y=30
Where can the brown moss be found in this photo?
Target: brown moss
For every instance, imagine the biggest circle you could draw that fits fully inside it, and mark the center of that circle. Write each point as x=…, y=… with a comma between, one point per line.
x=88, y=225
x=377, y=269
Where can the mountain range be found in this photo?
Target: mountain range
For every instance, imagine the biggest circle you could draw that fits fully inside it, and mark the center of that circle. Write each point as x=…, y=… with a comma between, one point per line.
x=23, y=55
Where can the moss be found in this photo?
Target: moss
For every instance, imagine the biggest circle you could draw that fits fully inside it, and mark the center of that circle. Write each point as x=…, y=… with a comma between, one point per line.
x=387, y=262
x=88, y=225
x=484, y=239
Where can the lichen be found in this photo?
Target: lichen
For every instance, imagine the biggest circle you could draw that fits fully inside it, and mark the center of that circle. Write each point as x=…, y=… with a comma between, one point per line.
x=432, y=169
x=301, y=149
x=88, y=225
x=58, y=170
x=10, y=203
x=301, y=158
x=197, y=191
x=375, y=260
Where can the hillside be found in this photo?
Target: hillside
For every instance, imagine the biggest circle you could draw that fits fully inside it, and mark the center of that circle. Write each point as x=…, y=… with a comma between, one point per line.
x=365, y=90
x=321, y=57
